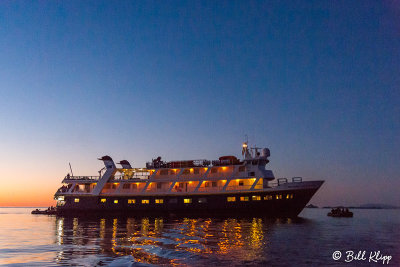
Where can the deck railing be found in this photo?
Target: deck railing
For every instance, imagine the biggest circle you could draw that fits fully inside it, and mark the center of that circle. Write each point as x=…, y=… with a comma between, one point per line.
x=178, y=164
x=68, y=177
x=133, y=177
x=281, y=181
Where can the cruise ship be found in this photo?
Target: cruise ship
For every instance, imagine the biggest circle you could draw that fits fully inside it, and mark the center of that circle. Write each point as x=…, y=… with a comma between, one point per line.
x=227, y=185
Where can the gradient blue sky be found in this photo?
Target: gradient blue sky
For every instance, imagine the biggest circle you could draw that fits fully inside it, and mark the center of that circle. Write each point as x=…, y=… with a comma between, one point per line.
x=315, y=81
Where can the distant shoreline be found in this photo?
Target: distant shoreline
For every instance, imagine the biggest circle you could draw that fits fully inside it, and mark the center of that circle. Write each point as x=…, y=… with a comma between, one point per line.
x=26, y=207
x=364, y=207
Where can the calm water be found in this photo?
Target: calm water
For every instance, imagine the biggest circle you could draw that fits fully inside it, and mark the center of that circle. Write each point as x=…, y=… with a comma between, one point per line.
x=40, y=240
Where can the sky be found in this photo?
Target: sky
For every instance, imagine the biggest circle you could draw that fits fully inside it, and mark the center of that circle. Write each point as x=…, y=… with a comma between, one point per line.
x=315, y=81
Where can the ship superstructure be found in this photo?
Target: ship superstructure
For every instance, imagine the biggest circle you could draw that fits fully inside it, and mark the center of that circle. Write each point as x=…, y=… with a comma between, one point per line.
x=224, y=185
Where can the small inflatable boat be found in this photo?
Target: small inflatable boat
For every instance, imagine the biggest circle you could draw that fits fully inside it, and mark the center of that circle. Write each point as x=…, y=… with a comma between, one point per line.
x=45, y=212
x=338, y=212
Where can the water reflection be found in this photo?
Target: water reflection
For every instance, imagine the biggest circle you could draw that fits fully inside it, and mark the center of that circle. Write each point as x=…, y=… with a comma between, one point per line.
x=36, y=240
x=158, y=240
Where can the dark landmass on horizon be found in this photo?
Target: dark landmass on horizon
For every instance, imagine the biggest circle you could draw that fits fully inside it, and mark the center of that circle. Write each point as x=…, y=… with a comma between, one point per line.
x=364, y=206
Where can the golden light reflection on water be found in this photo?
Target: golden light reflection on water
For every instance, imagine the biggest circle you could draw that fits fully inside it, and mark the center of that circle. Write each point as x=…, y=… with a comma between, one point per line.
x=138, y=237
x=102, y=228
x=256, y=234
x=148, y=240
x=231, y=236
x=50, y=240
x=60, y=230
x=145, y=227
x=158, y=225
x=114, y=235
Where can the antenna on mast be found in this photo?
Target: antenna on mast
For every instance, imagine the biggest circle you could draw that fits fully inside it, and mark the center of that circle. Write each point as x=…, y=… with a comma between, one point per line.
x=245, y=150
x=71, y=169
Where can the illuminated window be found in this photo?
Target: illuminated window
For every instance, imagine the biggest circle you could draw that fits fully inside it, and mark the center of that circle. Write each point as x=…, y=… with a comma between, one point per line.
x=187, y=200
x=115, y=201
x=256, y=198
x=206, y=184
x=231, y=199
x=134, y=186
x=145, y=201
x=131, y=201
x=267, y=197
x=244, y=198
x=114, y=186
x=159, y=201
x=172, y=172
x=202, y=200
x=103, y=200
x=278, y=196
x=76, y=200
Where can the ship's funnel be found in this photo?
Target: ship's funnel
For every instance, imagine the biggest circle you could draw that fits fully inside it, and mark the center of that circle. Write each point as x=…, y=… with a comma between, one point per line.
x=125, y=164
x=108, y=162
